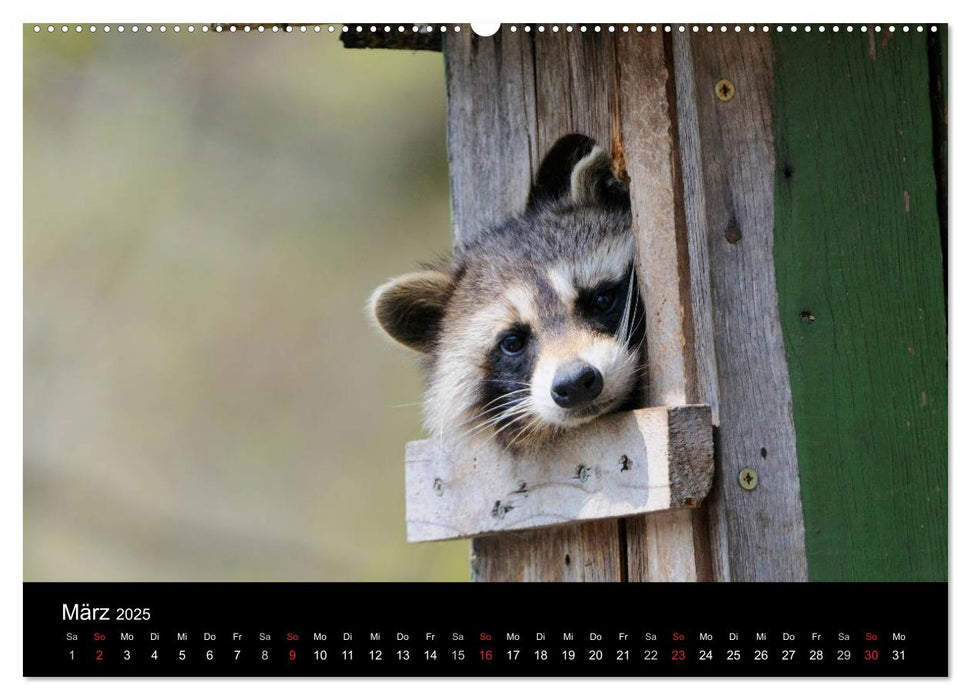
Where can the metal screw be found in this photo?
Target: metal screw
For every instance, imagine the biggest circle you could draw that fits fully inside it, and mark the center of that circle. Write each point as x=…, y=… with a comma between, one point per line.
x=724, y=90
x=748, y=478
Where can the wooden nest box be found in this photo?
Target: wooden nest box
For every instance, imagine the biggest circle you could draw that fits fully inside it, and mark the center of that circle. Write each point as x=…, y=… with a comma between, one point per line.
x=714, y=133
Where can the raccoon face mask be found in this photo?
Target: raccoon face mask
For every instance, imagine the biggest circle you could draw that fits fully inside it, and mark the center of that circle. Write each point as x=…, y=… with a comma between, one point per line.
x=535, y=327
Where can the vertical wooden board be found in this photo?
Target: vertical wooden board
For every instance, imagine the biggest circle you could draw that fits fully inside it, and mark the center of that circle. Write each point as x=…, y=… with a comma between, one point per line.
x=651, y=156
x=667, y=546
x=497, y=86
x=937, y=58
x=762, y=528
x=692, y=155
x=491, y=127
x=585, y=552
x=858, y=261
x=575, y=86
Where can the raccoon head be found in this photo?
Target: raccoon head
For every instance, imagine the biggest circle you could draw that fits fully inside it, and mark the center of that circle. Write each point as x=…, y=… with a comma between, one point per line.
x=535, y=327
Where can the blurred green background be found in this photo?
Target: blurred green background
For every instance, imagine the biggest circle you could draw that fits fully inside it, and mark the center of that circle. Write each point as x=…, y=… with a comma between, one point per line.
x=204, y=218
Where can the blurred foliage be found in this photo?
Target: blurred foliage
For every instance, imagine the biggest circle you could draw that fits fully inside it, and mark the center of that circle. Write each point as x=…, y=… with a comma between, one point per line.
x=204, y=218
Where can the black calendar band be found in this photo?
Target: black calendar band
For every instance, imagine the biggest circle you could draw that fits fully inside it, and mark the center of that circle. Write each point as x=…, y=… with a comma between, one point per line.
x=405, y=629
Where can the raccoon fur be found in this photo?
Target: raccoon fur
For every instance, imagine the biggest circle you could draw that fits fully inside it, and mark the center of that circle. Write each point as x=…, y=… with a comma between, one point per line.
x=535, y=326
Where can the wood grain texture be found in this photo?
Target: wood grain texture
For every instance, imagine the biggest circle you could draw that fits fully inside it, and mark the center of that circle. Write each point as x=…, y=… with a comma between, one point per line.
x=731, y=197
x=496, y=87
x=641, y=461
x=584, y=552
x=937, y=58
x=858, y=258
x=669, y=546
x=693, y=154
x=491, y=125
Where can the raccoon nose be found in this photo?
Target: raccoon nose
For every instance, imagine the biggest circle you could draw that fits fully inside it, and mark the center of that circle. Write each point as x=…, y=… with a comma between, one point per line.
x=576, y=384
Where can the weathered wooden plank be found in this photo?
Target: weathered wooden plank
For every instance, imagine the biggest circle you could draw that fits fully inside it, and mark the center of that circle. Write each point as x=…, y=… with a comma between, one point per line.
x=491, y=127
x=642, y=461
x=494, y=148
x=578, y=88
x=584, y=552
x=937, y=59
x=671, y=546
x=858, y=256
x=575, y=86
x=732, y=198
x=699, y=274
x=651, y=153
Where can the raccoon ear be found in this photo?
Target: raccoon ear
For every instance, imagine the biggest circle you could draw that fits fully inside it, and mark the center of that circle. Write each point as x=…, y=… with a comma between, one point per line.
x=410, y=308
x=580, y=171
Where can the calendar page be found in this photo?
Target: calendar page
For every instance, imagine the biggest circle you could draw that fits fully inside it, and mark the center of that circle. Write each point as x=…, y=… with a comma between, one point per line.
x=526, y=349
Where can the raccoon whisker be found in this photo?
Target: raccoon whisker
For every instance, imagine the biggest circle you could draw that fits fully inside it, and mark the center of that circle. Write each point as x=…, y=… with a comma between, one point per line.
x=506, y=395
x=513, y=400
x=510, y=414
x=632, y=354
x=496, y=433
x=634, y=358
x=479, y=427
x=522, y=433
x=507, y=414
x=622, y=329
x=486, y=410
x=634, y=328
x=406, y=405
x=636, y=325
x=514, y=416
x=622, y=332
x=504, y=409
x=507, y=411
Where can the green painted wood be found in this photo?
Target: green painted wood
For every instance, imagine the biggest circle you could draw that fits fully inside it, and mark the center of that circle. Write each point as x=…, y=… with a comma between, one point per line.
x=859, y=276
x=937, y=57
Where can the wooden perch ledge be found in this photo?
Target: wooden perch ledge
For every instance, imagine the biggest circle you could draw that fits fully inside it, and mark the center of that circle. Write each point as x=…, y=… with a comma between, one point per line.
x=646, y=460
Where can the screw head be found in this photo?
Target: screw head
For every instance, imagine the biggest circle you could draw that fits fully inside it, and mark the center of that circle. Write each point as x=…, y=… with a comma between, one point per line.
x=748, y=478
x=724, y=90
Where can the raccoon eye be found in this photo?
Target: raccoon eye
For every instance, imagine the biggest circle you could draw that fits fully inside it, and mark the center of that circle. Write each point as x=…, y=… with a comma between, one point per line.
x=513, y=344
x=605, y=301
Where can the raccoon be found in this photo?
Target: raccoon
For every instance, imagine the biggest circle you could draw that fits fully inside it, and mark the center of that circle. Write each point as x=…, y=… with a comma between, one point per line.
x=535, y=326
